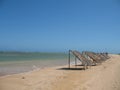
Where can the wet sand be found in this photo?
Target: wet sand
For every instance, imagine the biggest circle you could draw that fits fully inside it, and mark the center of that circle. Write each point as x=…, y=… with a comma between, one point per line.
x=101, y=77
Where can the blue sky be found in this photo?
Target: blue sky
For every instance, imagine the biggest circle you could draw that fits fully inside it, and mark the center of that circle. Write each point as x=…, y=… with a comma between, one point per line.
x=60, y=25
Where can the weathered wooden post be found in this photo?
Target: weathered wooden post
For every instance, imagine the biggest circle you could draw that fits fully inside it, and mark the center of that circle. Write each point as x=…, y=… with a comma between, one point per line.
x=69, y=59
x=75, y=62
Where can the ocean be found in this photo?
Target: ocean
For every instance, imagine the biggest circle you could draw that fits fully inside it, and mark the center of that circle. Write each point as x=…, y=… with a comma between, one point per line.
x=19, y=62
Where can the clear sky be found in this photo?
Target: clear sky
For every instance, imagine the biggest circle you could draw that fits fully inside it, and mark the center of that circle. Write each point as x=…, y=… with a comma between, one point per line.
x=60, y=25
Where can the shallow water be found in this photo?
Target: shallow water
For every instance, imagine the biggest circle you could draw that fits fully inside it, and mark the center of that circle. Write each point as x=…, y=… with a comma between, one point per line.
x=15, y=62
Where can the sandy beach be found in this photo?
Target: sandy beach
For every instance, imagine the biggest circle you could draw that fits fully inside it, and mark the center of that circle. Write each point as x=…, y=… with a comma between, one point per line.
x=102, y=77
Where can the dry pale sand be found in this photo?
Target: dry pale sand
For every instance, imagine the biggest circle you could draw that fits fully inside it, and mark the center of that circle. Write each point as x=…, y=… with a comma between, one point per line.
x=102, y=77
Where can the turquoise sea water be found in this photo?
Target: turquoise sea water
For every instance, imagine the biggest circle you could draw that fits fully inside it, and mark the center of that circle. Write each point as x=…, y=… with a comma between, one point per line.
x=17, y=62
x=13, y=56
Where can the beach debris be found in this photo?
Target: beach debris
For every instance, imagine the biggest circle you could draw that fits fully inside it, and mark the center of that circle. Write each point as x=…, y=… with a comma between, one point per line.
x=23, y=77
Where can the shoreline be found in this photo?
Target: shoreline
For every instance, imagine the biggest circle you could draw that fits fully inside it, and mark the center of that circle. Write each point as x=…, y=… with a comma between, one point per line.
x=29, y=67
x=32, y=71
